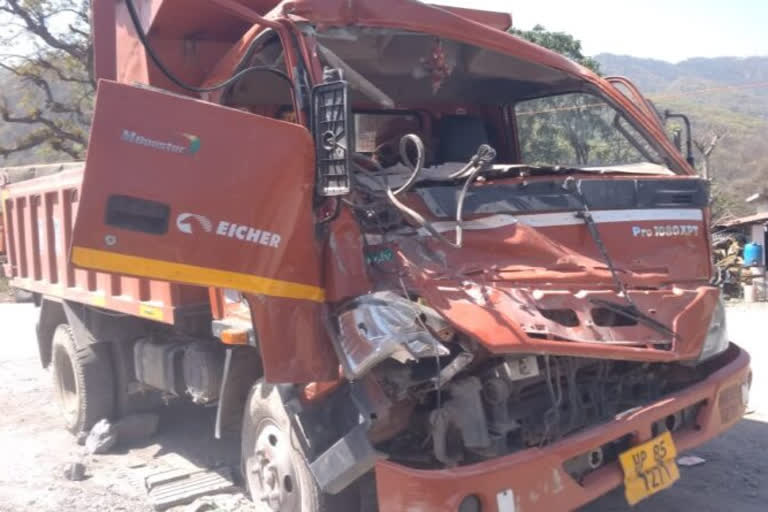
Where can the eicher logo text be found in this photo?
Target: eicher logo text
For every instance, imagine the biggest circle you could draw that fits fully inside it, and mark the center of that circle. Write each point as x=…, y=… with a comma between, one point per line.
x=191, y=223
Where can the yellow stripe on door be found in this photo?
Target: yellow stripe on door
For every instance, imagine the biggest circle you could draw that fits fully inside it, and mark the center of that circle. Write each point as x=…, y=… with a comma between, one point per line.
x=202, y=276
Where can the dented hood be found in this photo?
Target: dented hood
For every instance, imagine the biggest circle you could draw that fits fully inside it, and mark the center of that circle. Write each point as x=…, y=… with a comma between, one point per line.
x=531, y=278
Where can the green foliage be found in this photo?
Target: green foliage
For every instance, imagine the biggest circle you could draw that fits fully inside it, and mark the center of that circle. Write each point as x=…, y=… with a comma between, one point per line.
x=576, y=130
x=573, y=129
x=559, y=42
x=48, y=87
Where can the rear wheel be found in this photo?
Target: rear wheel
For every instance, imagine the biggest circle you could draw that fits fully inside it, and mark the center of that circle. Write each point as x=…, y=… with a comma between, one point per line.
x=82, y=381
x=274, y=465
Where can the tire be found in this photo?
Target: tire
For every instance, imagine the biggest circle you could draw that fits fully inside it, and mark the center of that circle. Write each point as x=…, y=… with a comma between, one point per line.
x=82, y=381
x=273, y=462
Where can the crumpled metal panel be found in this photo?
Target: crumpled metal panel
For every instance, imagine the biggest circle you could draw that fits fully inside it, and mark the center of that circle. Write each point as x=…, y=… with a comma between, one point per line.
x=383, y=325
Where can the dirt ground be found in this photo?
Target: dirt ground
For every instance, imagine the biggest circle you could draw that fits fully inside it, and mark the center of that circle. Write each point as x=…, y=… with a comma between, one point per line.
x=34, y=449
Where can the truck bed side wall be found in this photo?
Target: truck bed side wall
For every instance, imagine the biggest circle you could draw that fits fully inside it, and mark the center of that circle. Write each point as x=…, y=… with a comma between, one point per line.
x=39, y=215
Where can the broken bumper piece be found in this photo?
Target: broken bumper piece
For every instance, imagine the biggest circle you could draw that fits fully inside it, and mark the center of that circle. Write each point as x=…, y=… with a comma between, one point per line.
x=379, y=326
x=537, y=478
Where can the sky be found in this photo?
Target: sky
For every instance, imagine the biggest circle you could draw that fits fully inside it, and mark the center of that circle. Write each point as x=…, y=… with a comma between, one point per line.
x=671, y=30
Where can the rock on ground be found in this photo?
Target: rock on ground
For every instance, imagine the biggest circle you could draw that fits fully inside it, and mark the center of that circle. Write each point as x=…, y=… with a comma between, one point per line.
x=102, y=437
x=75, y=472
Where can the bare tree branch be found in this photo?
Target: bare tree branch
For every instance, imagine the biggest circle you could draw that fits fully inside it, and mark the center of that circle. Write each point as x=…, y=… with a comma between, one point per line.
x=44, y=63
x=706, y=149
x=35, y=23
x=30, y=141
x=50, y=97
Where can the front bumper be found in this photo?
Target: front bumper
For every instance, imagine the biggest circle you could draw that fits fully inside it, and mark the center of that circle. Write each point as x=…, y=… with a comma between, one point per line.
x=536, y=477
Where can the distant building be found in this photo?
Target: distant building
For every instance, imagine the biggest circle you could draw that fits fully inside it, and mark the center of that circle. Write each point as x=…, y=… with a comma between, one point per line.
x=754, y=227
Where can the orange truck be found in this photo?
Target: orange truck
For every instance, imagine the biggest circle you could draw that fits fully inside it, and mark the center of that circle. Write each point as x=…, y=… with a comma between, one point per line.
x=419, y=263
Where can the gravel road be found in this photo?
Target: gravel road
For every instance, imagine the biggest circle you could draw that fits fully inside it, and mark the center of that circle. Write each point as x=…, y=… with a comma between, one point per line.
x=34, y=449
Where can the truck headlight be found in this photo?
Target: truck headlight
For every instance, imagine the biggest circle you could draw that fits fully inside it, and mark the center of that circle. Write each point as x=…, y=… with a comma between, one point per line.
x=382, y=325
x=717, y=334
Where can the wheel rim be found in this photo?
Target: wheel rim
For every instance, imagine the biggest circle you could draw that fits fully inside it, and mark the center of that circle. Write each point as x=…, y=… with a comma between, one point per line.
x=66, y=386
x=270, y=471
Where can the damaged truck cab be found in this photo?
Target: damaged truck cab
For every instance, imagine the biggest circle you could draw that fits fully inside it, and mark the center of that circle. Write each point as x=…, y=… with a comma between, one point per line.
x=442, y=260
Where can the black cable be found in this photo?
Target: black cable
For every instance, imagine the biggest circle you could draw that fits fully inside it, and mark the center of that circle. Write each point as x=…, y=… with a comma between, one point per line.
x=415, y=167
x=480, y=162
x=176, y=80
x=483, y=159
x=585, y=214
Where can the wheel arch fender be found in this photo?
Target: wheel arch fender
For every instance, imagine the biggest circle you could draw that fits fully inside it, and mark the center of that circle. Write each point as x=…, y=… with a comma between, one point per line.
x=51, y=316
x=242, y=369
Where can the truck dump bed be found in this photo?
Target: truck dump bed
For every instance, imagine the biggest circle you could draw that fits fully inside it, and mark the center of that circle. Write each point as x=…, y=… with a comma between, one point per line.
x=38, y=216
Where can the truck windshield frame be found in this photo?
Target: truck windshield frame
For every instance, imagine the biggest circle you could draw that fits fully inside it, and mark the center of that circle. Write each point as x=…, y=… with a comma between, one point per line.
x=422, y=71
x=579, y=129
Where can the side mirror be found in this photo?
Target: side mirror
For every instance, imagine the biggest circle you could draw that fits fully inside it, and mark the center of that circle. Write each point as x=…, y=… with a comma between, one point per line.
x=677, y=138
x=688, y=135
x=331, y=126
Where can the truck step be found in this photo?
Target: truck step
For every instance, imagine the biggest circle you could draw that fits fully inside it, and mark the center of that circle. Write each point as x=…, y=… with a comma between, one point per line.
x=181, y=486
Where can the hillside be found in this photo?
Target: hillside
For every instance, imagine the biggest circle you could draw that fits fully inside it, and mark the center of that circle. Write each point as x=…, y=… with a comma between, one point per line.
x=722, y=95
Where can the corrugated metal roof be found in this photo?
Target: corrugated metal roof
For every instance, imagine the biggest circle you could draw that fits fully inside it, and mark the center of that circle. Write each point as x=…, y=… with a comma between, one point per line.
x=749, y=219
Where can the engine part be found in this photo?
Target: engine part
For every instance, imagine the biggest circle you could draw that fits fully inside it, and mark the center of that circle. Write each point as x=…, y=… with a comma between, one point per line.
x=203, y=368
x=464, y=413
x=468, y=411
x=158, y=365
x=450, y=370
x=441, y=422
x=519, y=368
x=379, y=326
x=496, y=393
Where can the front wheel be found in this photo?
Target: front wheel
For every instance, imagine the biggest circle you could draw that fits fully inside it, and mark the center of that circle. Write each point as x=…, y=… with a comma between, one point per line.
x=273, y=462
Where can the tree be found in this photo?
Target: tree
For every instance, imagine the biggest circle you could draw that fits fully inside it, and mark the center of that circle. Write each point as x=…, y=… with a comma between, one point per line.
x=559, y=42
x=706, y=148
x=45, y=47
x=575, y=129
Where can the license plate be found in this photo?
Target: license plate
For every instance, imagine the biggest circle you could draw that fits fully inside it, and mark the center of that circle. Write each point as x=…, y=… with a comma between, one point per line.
x=649, y=468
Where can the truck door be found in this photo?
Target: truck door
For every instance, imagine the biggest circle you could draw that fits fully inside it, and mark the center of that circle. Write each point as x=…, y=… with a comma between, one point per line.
x=187, y=191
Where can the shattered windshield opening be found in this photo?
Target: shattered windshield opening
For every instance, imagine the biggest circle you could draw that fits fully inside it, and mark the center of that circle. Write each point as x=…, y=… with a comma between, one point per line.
x=579, y=130
x=456, y=97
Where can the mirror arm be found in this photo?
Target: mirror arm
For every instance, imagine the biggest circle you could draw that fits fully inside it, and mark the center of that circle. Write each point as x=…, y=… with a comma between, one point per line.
x=688, y=135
